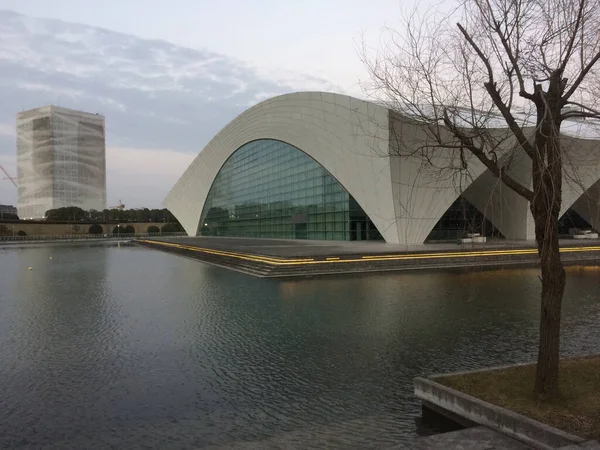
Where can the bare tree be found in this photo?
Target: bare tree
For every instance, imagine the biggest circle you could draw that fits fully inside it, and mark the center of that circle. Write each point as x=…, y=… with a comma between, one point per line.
x=498, y=84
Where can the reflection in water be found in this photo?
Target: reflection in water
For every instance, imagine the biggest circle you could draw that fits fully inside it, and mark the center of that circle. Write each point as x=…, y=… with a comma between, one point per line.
x=126, y=347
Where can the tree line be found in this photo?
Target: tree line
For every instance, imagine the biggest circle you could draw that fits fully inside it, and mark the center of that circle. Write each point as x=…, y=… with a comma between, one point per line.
x=128, y=229
x=74, y=213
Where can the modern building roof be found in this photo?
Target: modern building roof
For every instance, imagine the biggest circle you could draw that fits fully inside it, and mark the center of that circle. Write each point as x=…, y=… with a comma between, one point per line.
x=359, y=142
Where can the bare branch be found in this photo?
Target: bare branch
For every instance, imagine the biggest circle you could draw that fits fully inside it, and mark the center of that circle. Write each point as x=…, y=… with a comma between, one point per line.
x=492, y=165
x=591, y=112
x=580, y=115
x=513, y=59
x=481, y=55
x=495, y=95
x=571, y=43
x=581, y=77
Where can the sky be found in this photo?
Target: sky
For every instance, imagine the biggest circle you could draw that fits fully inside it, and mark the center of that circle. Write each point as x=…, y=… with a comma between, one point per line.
x=169, y=75
x=316, y=37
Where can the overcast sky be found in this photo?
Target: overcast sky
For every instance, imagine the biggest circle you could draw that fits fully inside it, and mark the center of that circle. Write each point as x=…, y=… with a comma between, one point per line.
x=163, y=101
x=316, y=37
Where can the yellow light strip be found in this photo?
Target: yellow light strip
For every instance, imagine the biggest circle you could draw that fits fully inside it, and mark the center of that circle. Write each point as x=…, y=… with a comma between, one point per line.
x=250, y=255
x=253, y=257
x=525, y=251
x=400, y=257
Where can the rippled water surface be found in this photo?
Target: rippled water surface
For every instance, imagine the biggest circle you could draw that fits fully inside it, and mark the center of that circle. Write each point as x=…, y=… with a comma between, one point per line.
x=107, y=347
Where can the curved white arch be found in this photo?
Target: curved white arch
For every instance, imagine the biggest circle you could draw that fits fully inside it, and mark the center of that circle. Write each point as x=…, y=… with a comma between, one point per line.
x=347, y=136
x=581, y=173
x=504, y=208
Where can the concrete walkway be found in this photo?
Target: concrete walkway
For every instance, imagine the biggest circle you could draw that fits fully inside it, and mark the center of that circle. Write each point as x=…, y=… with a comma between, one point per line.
x=286, y=258
x=287, y=248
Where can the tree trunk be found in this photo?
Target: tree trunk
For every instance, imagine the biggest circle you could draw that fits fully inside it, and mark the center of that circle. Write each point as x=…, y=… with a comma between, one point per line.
x=545, y=207
x=553, y=286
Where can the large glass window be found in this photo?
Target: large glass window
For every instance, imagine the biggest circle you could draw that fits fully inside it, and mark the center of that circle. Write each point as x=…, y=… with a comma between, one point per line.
x=271, y=189
x=462, y=218
x=571, y=222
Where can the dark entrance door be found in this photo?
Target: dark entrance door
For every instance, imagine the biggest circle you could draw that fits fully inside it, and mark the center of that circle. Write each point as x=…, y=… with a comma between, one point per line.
x=300, y=231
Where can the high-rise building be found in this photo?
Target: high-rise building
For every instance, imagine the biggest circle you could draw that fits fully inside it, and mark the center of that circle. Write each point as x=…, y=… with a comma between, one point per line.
x=61, y=160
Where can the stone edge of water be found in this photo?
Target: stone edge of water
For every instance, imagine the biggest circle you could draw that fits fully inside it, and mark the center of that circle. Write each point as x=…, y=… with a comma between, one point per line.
x=518, y=426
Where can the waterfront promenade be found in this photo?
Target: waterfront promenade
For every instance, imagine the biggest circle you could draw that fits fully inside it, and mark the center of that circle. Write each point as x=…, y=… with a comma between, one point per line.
x=285, y=258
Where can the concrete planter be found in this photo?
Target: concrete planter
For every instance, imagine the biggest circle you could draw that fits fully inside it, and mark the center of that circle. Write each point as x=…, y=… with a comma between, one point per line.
x=471, y=409
x=586, y=236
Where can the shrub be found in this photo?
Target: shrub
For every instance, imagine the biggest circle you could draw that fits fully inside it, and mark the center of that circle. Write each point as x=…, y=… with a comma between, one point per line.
x=171, y=228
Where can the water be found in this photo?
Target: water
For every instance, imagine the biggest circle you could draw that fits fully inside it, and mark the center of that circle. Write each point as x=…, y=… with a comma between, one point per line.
x=124, y=347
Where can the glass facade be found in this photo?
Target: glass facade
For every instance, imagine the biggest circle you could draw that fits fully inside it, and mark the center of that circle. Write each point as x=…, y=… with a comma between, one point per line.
x=462, y=218
x=570, y=222
x=270, y=189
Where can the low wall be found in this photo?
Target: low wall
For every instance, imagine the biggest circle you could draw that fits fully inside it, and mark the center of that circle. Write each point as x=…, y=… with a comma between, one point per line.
x=69, y=229
x=463, y=406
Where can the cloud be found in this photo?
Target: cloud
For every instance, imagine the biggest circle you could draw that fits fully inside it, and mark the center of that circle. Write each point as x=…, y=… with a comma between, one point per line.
x=162, y=102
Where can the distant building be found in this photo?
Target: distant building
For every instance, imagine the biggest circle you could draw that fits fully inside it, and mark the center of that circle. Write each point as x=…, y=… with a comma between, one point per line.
x=7, y=211
x=61, y=160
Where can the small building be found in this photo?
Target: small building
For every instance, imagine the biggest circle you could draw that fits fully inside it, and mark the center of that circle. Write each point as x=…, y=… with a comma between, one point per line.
x=8, y=212
x=61, y=160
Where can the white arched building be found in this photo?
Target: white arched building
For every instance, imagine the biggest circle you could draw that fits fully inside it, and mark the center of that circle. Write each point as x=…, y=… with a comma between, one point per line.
x=327, y=166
